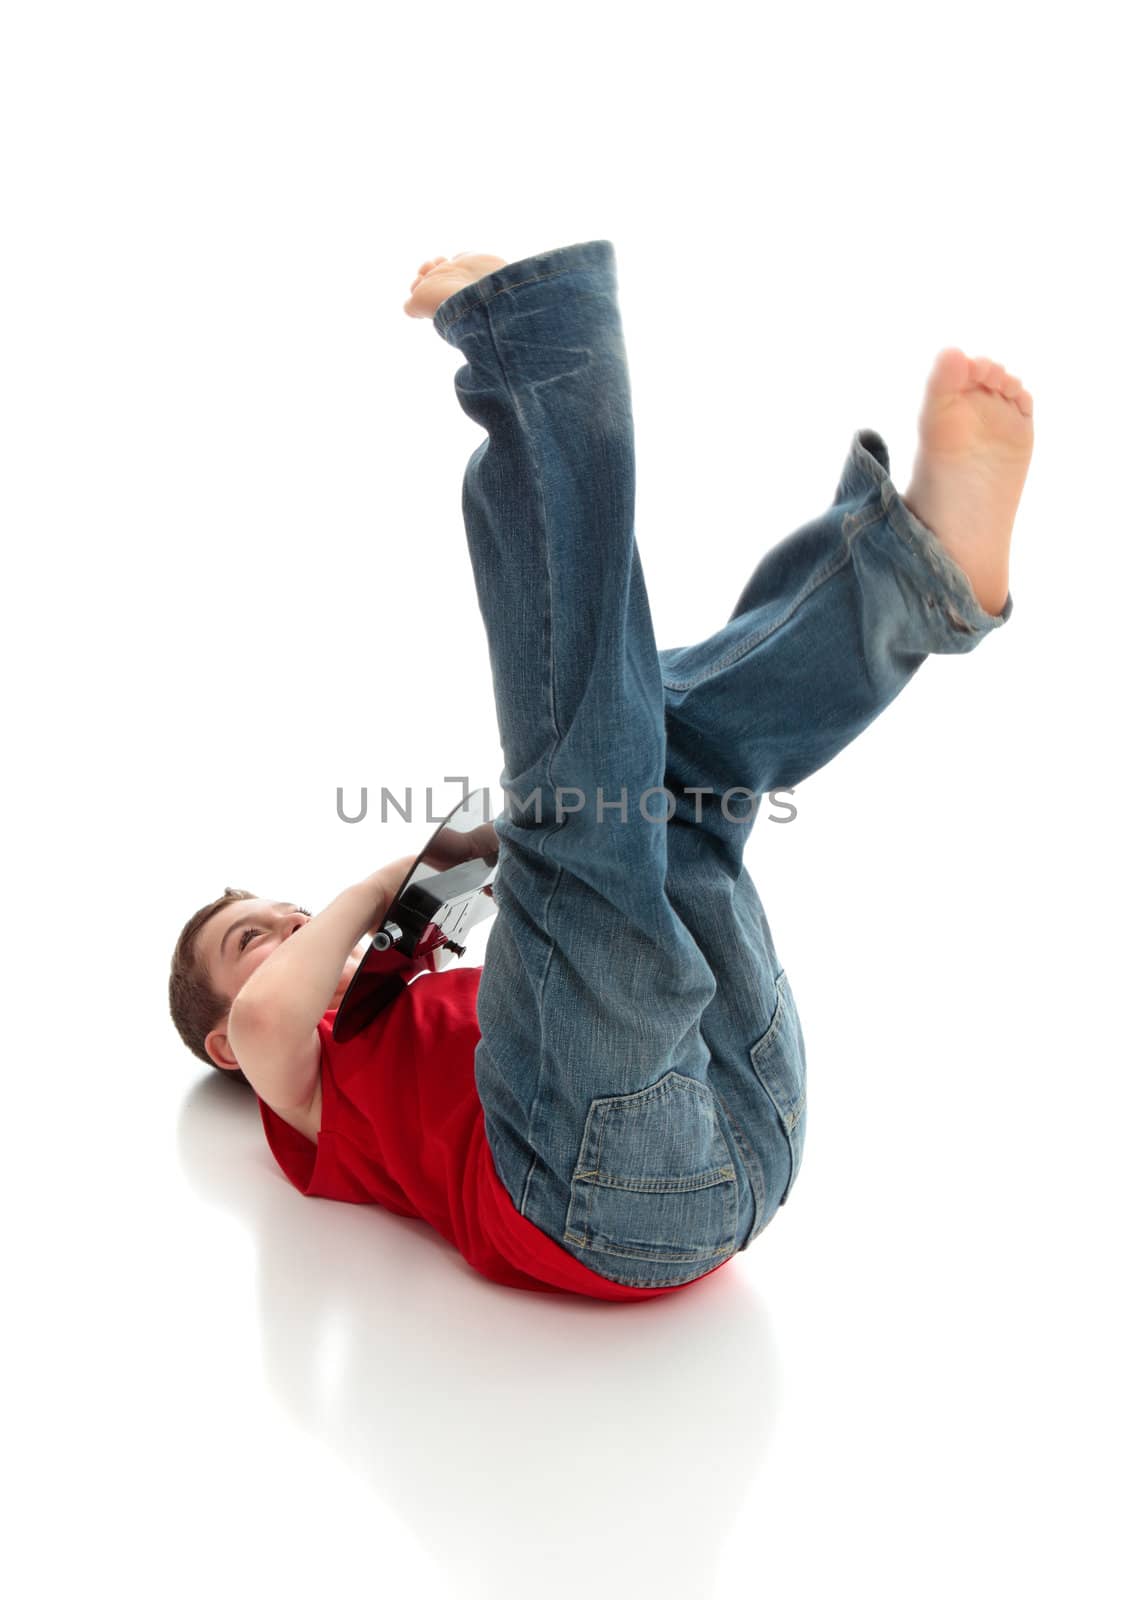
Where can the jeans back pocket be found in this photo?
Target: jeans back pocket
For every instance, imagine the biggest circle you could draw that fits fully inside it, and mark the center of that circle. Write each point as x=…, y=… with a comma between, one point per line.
x=778, y=1060
x=654, y=1193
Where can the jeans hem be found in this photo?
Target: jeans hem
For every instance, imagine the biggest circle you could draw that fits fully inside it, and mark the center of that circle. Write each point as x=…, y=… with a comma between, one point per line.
x=594, y=254
x=964, y=611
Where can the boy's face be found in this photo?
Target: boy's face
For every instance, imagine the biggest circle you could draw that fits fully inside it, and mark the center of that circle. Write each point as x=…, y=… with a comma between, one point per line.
x=237, y=939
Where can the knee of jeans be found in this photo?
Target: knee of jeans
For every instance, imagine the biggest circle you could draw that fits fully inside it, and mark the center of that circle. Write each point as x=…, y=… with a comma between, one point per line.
x=654, y=1192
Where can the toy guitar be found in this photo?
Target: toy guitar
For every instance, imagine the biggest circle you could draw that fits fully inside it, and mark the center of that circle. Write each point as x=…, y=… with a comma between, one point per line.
x=446, y=892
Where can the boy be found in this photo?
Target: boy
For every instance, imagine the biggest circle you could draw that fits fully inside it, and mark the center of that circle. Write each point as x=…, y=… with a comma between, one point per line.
x=614, y=1104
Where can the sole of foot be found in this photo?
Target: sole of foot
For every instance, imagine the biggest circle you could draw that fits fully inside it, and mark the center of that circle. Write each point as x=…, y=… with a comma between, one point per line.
x=441, y=276
x=975, y=437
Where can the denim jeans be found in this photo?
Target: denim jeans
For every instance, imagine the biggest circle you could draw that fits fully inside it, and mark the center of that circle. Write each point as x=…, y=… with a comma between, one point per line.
x=641, y=1063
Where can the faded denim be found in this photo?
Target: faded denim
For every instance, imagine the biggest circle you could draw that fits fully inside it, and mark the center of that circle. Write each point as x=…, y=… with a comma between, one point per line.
x=641, y=1062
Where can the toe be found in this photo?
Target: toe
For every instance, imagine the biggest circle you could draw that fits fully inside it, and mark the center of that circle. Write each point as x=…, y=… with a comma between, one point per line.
x=990, y=375
x=950, y=372
x=986, y=373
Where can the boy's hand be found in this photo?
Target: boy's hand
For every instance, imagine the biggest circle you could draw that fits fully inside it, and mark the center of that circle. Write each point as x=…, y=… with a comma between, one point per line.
x=382, y=887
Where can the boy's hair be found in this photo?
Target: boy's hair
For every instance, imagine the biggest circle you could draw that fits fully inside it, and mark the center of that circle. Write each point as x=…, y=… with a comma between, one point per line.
x=195, y=1004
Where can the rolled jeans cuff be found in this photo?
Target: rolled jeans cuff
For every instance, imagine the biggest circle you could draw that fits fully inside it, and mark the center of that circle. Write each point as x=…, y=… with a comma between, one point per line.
x=596, y=254
x=937, y=576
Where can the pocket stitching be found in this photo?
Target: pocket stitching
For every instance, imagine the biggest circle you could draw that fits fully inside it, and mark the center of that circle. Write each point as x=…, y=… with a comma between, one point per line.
x=660, y=1090
x=724, y=1175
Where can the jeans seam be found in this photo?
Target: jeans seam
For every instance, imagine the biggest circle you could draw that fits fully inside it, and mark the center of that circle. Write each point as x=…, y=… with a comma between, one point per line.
x=778, y=1015
x=540, y=1012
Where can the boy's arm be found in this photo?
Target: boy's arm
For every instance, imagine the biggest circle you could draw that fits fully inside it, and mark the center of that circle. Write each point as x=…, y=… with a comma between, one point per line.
x=274, y=1016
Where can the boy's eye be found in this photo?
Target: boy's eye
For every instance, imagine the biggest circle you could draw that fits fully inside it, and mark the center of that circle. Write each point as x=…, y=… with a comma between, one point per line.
x=247, y=934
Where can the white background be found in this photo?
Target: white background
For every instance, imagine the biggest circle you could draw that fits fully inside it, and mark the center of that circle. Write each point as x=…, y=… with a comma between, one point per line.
x=236, y=578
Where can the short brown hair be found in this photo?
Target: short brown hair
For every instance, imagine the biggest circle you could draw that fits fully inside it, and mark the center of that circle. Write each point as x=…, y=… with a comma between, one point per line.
x=195, y=1003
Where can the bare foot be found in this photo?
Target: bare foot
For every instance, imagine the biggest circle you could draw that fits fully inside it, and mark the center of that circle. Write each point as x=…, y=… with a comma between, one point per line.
x=975, y=435
x=439, y=278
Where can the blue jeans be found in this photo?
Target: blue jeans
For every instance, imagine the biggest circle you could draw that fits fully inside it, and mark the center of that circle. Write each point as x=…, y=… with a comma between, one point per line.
x=641, y=1062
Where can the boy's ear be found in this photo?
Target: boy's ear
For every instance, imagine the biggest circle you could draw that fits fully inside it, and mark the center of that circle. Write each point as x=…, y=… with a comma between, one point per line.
x=217, y=1046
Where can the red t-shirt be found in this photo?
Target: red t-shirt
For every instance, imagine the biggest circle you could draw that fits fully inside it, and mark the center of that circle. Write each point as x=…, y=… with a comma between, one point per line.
x=403, y=1127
